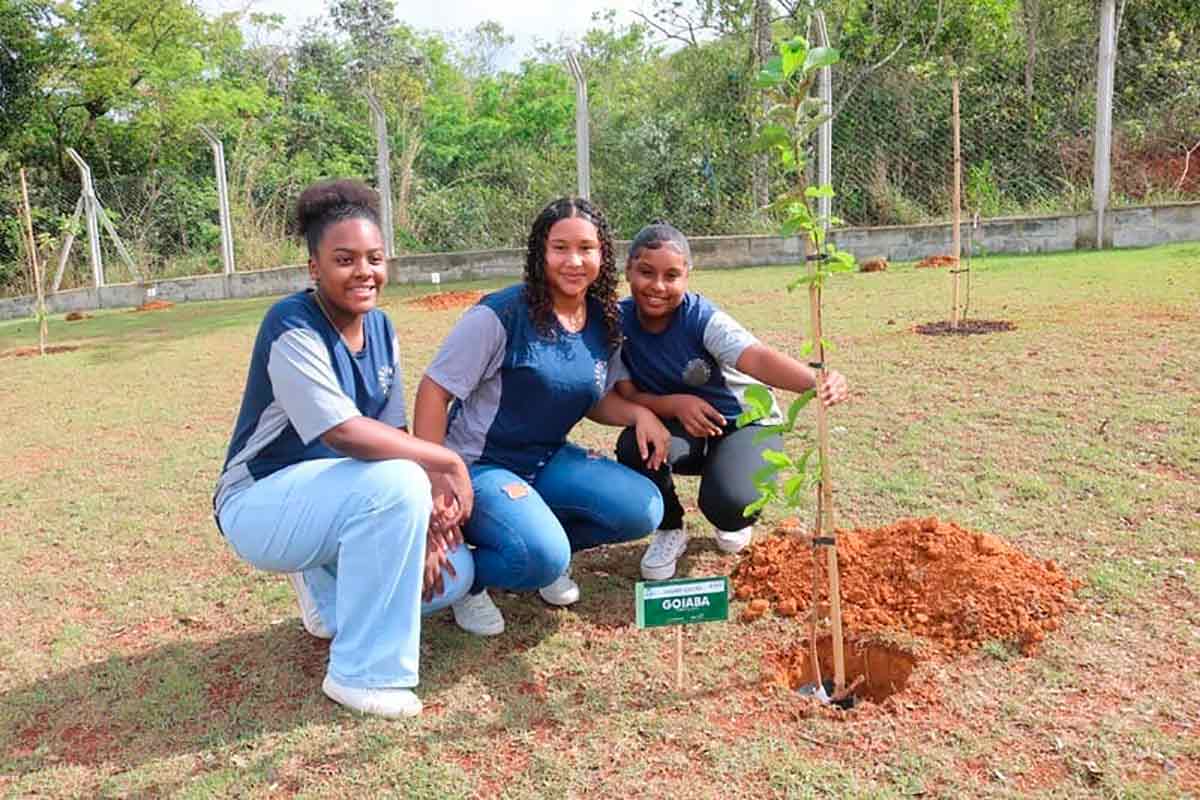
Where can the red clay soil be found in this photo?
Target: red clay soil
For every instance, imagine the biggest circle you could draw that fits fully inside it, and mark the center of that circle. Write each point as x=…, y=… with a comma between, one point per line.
x=950, y=586
x=445, y=300
x=25, y=352
x=938, y=261
x=76, y=316
x=154, y=305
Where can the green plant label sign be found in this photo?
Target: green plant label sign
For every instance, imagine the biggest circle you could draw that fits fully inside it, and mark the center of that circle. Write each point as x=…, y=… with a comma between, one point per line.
x=682, y=602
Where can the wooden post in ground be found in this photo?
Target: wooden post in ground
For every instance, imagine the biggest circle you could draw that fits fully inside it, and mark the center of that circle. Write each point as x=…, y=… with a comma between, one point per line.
x=825, y=535
x=679, y=658
x=957, y=198
x=35, y=267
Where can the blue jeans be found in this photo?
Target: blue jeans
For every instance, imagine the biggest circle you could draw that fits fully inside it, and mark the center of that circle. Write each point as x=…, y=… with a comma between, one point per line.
x=356, y=529
x=524, y=533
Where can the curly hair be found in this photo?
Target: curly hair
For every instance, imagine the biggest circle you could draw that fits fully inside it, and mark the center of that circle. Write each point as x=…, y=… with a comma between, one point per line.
x=327, y=202
x=603, y=290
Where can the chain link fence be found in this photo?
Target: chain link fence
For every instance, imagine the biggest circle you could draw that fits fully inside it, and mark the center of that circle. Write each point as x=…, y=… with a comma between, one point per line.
x=1027, y=129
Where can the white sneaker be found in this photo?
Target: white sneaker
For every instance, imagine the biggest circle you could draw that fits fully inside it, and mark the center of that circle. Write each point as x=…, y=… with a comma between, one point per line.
x=735, y=541
x=477, y=614
x=308, y=607
x=390, y=703
x=563, y=592
x=666, y=546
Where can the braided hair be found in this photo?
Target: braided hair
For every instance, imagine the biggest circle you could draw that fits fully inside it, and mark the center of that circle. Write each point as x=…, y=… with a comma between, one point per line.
x=603, y=289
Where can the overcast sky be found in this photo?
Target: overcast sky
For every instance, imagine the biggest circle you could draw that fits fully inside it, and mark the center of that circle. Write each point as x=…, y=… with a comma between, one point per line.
x=526, y=20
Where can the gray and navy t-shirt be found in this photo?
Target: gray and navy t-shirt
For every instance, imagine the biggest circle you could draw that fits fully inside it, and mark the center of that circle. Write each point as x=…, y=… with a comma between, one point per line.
x=518, y=393
x=696, y=354
x=304, y=381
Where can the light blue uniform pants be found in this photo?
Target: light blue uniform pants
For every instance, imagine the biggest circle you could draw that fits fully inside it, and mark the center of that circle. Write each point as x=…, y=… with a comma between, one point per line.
x=356, y=529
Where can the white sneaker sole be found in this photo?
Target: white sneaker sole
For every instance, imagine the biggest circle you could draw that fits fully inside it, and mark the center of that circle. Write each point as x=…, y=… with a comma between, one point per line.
x=409, y=706
x=660, y=573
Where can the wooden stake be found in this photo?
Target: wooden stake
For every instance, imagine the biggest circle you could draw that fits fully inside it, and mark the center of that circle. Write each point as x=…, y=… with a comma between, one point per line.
x=679, y=658
x=825, y=527
x=37, y=270
x=957, y=194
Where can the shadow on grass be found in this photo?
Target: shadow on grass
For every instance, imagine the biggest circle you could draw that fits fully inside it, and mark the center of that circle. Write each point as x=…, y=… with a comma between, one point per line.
x=194, y=696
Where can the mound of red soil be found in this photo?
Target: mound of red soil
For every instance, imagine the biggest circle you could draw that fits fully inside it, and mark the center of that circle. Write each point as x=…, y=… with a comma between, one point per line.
x=154, y=305
x=444, y=300
x=966, y=327
x=879, y=264
x=938, y=261
x=76, y=316
x=953, y=587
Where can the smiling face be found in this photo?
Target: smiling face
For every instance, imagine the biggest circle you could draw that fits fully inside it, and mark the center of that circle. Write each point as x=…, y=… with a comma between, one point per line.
x=658, y=279
x=349, y=268
x=572, y=258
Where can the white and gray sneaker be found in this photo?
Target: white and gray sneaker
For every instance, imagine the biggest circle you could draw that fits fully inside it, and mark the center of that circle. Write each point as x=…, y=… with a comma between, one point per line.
x=477, y=614
x=563, y=592
x=391, y=703
x=666, y=546
x=735, y=541
x=308, y=607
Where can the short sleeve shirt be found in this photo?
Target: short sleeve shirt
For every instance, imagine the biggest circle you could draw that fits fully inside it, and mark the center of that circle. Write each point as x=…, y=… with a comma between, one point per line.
x=517, y=391
x=696, y=354
x=303, y=381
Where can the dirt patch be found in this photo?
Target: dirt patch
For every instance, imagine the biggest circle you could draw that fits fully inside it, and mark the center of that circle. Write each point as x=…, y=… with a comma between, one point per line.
x=966, y=327
x=76, y=316
x=445, y=300
x=24, y=352
x=919, y=586
x=937, y=261
x=155, y=305
x=874, y=265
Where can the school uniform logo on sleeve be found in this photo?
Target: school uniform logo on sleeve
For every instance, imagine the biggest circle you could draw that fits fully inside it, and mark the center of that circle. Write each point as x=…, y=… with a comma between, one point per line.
x=385, y=374
x=601, y=374
x=697, y=372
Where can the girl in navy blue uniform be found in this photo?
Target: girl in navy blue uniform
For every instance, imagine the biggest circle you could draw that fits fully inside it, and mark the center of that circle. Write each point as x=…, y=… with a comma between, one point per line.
x=522, y=368
x=691, y=363
x=323, y=481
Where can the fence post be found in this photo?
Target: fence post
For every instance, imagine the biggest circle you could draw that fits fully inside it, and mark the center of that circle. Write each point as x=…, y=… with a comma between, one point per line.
x=218, y=150
x=583, y=164
x=825, y=133
x=760, y=165
x=1105, y=67
x=383, y=173
x=88, y=195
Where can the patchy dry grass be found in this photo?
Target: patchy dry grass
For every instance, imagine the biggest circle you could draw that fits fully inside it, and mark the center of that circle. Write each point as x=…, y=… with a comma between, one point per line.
x=139, y=658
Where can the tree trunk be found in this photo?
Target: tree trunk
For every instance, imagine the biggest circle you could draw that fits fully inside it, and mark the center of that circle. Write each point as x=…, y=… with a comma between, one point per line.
x=1030, y=11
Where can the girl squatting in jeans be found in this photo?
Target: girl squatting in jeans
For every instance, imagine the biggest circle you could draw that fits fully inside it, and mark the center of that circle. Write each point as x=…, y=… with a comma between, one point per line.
x=323, y=481
x=522, y=368
x=691, y=363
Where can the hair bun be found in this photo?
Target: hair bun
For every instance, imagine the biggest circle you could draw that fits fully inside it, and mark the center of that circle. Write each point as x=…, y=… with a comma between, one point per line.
x=334, y=197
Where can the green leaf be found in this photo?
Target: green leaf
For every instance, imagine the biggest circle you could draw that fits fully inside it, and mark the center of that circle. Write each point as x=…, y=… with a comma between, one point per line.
x=792, y=488
x=748, y=417
x=765, y=475
x=756, y=506
x=771, y=74
x=804, y=280
x=771, y=136
x=798, y=404
x=821, y=57
x=841, y=261
x=827, y=345
x=793, y=54
x=777, y=458
x=767, y=433
x=819, y=191
x=806, y=348
x=759, y=398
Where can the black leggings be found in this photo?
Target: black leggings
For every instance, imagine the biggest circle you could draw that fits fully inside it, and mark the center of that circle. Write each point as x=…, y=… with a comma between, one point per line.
x=726, y=465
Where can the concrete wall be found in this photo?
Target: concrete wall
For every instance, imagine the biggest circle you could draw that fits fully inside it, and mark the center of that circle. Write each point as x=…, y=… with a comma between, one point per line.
x=1128, y=227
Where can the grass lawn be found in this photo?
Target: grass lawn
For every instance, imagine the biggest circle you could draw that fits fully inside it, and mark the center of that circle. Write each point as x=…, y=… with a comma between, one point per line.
x=139, y=657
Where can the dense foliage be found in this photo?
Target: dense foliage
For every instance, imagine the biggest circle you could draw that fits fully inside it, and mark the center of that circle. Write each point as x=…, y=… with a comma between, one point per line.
x=476, y=149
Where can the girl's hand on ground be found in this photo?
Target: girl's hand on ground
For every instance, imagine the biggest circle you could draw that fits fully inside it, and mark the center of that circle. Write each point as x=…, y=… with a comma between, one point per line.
x=697, y=416
x=834, y=388
x=653, y=438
